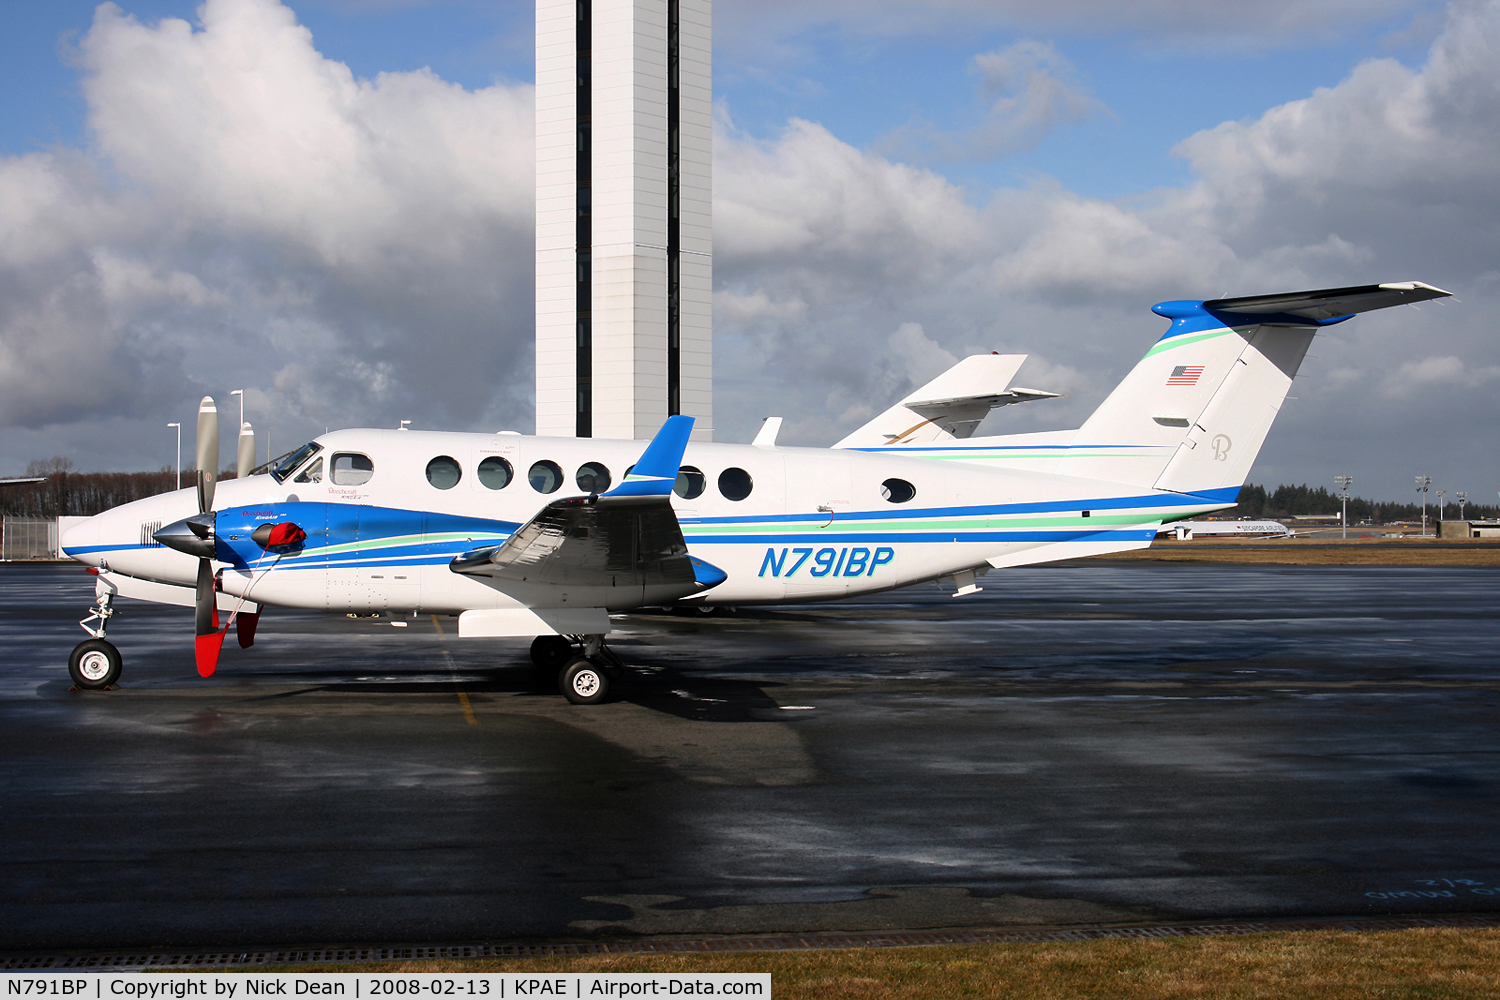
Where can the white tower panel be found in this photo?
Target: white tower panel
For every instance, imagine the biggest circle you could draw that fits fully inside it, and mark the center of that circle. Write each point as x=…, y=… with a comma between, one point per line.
x=612, y=209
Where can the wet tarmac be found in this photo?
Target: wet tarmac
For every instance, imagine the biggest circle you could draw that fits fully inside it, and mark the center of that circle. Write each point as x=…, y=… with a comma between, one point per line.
x=1076, y=744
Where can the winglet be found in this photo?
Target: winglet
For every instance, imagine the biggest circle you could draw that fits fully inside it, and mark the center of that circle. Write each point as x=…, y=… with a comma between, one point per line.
x=656, y=472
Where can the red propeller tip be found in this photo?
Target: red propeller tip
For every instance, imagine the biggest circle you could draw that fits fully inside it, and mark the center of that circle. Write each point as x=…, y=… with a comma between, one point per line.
x=206, y=648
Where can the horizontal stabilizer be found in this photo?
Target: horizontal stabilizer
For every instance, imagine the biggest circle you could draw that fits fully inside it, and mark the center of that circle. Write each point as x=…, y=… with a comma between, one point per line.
x=949, y=407
x=1327, y=303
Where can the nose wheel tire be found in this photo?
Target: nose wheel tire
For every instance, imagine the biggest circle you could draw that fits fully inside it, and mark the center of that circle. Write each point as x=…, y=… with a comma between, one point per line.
x=550, y=652
x=583, y=682
x=94, y=664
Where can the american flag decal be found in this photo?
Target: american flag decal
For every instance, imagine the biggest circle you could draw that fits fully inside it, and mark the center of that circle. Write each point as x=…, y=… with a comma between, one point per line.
x=1185, y=375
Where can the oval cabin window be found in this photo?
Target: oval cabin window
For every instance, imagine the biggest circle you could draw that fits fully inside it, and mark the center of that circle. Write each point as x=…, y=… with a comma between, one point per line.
x=443, y=472
x=352, y=470
x=690, y=483
x=593, y=477
x=495, y=472
x=735, y=484
x=545, y=477
x=897, y=490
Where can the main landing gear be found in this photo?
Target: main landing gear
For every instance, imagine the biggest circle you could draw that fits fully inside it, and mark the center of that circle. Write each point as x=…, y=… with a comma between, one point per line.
x=585, y=665
x=95, y=663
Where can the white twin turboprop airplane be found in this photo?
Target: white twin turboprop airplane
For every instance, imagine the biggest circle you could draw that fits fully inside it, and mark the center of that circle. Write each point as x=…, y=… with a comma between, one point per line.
x=447, y=523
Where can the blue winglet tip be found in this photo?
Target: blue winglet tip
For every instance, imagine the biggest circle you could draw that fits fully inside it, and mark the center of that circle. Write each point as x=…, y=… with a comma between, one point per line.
x=656, y=471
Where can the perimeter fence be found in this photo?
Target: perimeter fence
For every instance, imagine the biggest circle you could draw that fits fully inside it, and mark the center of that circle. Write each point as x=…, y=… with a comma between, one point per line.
x=28, y=538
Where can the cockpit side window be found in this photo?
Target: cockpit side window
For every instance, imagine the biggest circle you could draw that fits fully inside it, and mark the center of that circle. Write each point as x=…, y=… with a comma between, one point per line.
x=351, y=470
x=289, y=464
x=312, y=474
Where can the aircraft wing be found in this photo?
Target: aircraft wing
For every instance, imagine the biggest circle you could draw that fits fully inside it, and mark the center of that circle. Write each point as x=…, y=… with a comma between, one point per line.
x=589, y=542
x=1329, y=303
x=621, y=550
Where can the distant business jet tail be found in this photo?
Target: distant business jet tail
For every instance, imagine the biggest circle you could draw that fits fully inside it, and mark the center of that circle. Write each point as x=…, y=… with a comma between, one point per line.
x=1193, y=414
x=950, y=406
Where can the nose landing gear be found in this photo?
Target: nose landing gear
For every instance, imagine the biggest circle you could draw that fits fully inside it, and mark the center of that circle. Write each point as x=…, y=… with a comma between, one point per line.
x=95, y=663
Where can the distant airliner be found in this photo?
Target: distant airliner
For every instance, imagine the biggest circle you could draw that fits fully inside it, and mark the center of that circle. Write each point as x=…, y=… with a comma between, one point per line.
x=544, y=537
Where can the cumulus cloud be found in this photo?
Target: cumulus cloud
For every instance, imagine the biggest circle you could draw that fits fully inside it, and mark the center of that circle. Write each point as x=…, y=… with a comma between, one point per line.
x=250, y=213
x=1029, y=89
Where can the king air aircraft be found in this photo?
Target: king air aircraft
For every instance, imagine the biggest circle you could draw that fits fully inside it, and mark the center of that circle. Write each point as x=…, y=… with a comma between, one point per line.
x=544, y=537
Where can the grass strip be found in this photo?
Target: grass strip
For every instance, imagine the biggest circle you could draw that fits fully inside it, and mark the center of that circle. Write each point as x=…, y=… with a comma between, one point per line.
x=1428, y=963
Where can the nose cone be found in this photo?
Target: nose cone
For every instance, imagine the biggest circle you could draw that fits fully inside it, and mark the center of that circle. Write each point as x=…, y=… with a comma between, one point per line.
x=80, y=541
x=192, y=535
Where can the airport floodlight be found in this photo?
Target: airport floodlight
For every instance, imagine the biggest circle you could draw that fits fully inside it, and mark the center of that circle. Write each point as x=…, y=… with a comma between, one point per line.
x=179, y=453
x=1343, y=483
x=1422, y=483
x=1440, y=495
x=1462, y=497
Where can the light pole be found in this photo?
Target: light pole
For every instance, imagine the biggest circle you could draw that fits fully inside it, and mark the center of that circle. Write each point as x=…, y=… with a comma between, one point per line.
x=240, y=393
x=1440, y=495
x=179, y=453
x=1343, y=483
x=1422, y=483
x=1463, y=498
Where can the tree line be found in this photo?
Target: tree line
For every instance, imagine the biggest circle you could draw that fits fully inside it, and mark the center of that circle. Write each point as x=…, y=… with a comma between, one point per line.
x=68, y=492
x=1294, y=501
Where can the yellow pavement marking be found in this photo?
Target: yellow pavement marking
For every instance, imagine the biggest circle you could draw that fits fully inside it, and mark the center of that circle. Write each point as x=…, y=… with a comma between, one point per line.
x=463, y=698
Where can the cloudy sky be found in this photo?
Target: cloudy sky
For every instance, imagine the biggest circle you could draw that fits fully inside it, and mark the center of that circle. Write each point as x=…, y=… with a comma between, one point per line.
x=329, y=204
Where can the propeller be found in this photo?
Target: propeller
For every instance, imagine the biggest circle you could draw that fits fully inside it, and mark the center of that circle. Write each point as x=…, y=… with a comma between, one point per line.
x=246, y=454
x=195, y=536
x=209, y=640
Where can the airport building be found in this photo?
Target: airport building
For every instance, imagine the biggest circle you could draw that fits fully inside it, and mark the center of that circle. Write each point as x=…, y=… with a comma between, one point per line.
x=624, y=225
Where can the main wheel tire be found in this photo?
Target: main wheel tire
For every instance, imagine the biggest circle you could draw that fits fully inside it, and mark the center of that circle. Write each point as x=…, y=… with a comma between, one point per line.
x=584, y=682
x=94, y=664
x=551, y=651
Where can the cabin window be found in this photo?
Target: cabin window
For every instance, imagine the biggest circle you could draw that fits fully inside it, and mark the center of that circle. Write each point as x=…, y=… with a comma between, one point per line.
x=735, y=484
x=897, y=490
x=288, y=464
x=593, y=477
x=545, y=477
x=443, y=472
x=352, y=470
x=690, y=483
x=312, y=474
x=495, y=472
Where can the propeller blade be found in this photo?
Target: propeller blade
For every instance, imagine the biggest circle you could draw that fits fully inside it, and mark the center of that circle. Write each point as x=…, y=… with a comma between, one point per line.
x=206, y=607
x=208, y=453
x=247, y=451
x=244, y=628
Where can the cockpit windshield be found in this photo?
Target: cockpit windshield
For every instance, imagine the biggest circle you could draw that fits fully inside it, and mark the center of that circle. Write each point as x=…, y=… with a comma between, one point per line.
x=290, y=464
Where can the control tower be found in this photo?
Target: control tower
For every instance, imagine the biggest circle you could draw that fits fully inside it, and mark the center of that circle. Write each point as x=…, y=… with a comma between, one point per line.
x=624, y=225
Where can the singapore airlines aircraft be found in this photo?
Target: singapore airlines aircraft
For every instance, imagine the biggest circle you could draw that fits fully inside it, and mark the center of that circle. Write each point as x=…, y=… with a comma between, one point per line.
x=544, y=537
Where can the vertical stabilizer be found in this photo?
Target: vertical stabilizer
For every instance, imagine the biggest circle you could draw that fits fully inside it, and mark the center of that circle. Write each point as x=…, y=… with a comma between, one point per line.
x=1192, y=415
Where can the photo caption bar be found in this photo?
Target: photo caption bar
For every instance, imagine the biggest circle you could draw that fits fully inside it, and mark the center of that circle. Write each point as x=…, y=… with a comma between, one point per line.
x=181, y=984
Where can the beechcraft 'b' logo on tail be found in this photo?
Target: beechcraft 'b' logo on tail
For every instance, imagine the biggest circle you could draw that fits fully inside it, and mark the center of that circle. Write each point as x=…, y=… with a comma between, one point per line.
x=1185, y=375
